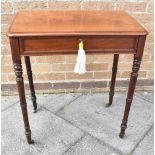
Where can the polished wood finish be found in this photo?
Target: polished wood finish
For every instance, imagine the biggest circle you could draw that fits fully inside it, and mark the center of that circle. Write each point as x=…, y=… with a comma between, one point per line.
x=132, y=84
x=59, y=32
x=133, y=79
x=20, y=84
x=30, y=78
x=68, y=45
x=47, y=23
x=113, y=79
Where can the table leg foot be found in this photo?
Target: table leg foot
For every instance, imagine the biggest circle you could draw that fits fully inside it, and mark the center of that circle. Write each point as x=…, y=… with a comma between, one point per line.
x=121, y=135
x=31, y=141
x=33, y=98
x=34, y=110
x=108, y=105
x=110, y=99
x=123, y=128
x=28, y=137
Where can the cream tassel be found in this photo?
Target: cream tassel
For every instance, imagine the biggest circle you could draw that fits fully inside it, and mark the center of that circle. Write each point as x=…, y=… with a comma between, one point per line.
x=80, y=66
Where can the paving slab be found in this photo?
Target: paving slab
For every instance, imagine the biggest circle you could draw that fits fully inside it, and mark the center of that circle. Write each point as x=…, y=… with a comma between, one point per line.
x=146, y=147
x=89, y=113
x=90, y=146
x=52, y=134
x=55, y=102
x=148, y=96
x=7, y=101
x=51, y=139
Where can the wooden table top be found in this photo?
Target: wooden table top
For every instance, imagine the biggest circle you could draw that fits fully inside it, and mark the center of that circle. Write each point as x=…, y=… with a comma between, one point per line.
x=49, y=23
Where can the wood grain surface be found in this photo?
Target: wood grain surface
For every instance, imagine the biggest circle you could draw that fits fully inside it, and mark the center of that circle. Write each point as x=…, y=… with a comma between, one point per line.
x=47, y=23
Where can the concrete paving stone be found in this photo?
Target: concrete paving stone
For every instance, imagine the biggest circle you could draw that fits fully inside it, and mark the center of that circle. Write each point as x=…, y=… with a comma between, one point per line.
x=52, y=134
x=89, y=113
x=7, y=101
x=148, y=96
x=146, y=146
x=55, y=102
x=119, y=102
x=89, y=146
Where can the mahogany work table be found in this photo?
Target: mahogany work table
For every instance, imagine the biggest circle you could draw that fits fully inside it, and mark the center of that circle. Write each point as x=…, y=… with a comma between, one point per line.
x=38, y=33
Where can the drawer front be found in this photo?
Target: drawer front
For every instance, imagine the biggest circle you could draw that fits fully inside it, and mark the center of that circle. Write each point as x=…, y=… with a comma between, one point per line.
x=70, y=45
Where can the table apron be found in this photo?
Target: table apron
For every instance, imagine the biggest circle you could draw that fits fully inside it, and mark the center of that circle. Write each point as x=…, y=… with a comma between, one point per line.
x=69, y=45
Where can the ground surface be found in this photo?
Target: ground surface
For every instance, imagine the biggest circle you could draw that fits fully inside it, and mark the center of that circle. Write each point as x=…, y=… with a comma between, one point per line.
x=76, y=124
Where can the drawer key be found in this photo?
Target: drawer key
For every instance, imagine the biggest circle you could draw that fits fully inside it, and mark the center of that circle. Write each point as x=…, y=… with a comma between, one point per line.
x=80, y=66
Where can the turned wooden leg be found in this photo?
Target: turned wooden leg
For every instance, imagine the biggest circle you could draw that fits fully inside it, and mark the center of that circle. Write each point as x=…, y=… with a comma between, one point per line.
x=132, y=84
x=30, y=78
x=113, y=79
x=20, y=84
